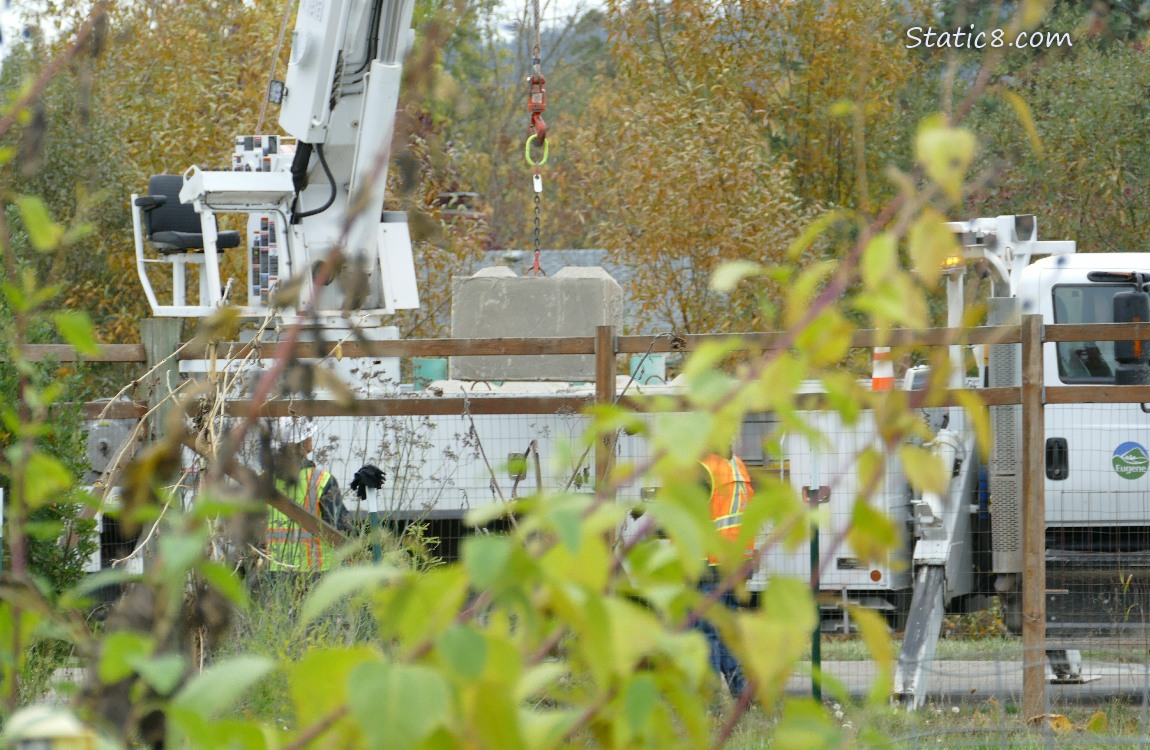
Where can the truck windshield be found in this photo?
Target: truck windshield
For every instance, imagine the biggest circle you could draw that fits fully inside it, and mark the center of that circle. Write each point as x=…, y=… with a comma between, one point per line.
x=1086, y=361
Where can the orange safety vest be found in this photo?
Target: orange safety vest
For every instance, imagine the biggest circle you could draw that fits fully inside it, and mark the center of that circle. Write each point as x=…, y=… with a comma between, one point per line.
x=730, y=492
x=287, y=541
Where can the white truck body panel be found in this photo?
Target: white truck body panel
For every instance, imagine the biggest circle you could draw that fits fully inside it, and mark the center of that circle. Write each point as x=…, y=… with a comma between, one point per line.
x=1107, y=482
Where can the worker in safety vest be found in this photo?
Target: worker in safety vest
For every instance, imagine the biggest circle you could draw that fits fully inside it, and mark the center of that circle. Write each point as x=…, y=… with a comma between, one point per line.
x=291, y=547
x=730, y=488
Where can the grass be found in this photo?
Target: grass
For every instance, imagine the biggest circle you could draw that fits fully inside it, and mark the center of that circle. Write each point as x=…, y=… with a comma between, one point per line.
x=975, y=725
x=996, y=648
x=271, y=628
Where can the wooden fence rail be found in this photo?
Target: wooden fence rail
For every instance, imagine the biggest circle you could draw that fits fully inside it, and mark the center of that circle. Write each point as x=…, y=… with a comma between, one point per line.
x=661, y=344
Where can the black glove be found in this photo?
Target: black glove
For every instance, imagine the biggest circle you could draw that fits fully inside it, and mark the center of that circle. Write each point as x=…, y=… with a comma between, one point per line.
x=368, y=476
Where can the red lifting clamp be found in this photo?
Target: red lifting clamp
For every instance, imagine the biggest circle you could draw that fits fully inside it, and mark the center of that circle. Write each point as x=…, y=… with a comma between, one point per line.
x=537, y=102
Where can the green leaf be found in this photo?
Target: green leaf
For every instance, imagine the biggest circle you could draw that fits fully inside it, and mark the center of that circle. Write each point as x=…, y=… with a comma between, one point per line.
x=538, y=678
x=221, y=685
x=486, y=557
x=546, y=729
x=45, y=479
x=827, y=340
x=683, y=435
x=120, y=650
x=843, y=394
x=806, y=726
x=729, y=274
x=162, y=672
x=330, y=667
x=803, y=290
x=709, y=356
x=337, y=585
x=1033, y=11
x=44, y=529
x=568, y=522
x=879, y=259
x=608, y=418
x=785, y=622
x=179, y=552
x=94, y=582
x=1097, y=723
x=77, y=232
x=946, y=153
x=398, y=706
x=464, y=650
x=639, y=700
x=224, y=581
x=233, y=734
x=417, y=608
x=686, y=523
x=15, y=297
x=43, y=233
x=931, y=244
x=499, y=727
x=979, y=416
x=790, y=599
x=77, y=330
x=814, y=230
x=924, y=469
x=873, y=534
x=876, y=635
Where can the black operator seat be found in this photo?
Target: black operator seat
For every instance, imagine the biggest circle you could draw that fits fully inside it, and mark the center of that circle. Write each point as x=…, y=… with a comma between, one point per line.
x=171, y=226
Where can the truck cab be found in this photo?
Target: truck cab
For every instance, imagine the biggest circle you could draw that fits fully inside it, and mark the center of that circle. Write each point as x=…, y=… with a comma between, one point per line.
x=1096, y=454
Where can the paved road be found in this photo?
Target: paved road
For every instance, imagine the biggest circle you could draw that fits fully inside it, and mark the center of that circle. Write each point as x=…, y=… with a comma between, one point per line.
x=976, y=681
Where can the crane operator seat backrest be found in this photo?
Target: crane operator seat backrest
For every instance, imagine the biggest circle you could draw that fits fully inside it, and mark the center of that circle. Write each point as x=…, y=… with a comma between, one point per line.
x=174, y=227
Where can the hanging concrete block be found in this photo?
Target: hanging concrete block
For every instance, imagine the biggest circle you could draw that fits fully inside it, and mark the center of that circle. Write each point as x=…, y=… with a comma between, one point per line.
x=497, y=303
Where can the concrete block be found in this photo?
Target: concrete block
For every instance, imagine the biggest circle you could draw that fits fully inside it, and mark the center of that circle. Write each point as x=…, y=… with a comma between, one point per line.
x=498, y=303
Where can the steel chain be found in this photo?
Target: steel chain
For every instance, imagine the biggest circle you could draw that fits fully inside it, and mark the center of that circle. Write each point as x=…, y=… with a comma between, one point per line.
x=537, y=226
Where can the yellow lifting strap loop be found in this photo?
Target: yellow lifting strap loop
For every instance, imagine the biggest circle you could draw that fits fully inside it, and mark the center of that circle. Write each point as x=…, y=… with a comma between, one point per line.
x=527, y=151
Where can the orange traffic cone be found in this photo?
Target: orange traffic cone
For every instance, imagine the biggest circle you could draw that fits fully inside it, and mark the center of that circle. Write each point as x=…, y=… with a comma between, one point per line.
x=882, y=378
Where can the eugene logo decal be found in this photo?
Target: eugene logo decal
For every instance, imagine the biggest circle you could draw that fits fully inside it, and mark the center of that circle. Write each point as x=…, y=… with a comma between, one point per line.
x=1130, y=460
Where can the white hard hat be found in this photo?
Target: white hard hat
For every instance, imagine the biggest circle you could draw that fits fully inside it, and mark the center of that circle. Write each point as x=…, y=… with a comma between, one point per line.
x=294, y=430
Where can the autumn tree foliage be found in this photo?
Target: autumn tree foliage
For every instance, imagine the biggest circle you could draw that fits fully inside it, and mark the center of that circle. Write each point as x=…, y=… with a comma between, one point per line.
x=676, y=193
x=726, y=125
x=164, y=85
x=1085, y=174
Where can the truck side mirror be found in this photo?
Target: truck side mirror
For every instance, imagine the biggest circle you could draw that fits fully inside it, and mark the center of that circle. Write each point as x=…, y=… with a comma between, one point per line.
x=1131, y=307
x=1132, y=356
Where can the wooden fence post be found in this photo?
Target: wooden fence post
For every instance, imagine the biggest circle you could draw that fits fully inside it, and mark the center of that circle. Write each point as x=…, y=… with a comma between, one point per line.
x=161, y=337
x=604, y=394
x=1033, y=522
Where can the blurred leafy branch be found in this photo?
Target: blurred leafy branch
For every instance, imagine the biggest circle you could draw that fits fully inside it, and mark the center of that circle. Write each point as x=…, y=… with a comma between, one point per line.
x=555, y=634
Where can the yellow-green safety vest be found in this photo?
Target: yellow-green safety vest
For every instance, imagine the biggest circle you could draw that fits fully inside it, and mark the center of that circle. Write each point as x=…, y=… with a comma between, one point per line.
x=288, y=543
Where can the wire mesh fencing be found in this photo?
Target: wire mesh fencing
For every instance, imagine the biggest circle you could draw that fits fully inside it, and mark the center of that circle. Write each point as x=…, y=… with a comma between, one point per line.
x=442, y=466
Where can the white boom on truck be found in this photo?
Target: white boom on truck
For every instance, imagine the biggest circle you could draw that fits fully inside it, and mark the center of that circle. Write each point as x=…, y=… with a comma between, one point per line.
x=943, y=530
x=313, y=197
